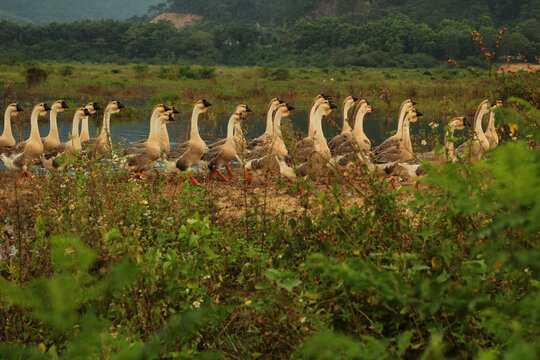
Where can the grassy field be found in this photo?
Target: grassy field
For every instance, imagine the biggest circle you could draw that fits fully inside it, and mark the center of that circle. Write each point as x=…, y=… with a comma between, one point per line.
x=96, y=264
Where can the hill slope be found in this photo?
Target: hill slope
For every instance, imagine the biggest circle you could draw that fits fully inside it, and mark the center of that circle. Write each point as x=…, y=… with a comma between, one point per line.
x=46, y=11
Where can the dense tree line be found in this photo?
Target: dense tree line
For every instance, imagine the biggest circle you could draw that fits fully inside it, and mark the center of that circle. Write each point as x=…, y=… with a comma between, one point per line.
x=392, y=40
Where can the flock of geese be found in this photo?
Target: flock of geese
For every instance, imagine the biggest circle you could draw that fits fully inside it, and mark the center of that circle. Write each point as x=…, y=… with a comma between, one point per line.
x=267, y=153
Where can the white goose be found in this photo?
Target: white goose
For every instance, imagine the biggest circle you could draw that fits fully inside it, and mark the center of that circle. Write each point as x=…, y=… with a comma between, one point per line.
x=27, y=153
x=7, y=139
x=491, y=132
x=267, y=136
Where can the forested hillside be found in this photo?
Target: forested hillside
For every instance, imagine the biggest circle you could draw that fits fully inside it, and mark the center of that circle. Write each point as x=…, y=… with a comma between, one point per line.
x=46, y=11
x=287, y=12
x=385, y=33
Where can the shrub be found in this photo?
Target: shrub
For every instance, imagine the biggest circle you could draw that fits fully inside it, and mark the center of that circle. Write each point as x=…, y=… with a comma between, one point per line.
x=281, y=74
x=66, y=70
x=207, y=72
x=35, y=75
x=188, y=72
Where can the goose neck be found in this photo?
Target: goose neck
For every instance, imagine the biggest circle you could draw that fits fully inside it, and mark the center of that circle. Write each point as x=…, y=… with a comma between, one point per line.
x=230, y=126
x=277, y=124
x=195, y=123
x=359, y=124
x=53, y=130
x=7, y=122
x=346, y=127
x=76, y=141
x=85, y=132
x=34, y=128
x=401, y=120
x=105, y=133
x=478, y=122
x=269, y=117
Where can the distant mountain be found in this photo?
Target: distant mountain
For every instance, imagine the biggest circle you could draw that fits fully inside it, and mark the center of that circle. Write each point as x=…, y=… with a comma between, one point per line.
x=62, y=11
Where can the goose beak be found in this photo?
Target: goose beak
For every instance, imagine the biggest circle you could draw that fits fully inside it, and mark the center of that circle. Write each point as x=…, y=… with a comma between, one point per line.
x=19, y=108
x=120, y=105
x=47, y=107
x=290, y=107
x=64, y=105
x=175, y=111
x=413, y=102
x=465, y=122
x=333, y=106
x=167, y=108
x=96, y=106
x=418, y=113
x=281, y=101
x=206, y=103
x=355, y=98
x=171, y=118
x=326, y=97
x=86, y=112
x=248, y=109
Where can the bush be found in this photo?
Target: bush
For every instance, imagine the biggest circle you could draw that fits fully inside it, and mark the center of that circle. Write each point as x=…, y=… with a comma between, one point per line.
x=66, y=70
x=187, y=72
x=281, y=74
x=207, y=72
x=35, y=75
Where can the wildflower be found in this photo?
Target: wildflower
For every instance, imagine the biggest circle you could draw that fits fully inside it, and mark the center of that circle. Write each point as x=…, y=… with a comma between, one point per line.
x=62, y=185
x=217, y=299
x=513, y=128
x=248, y=302
x=514, y=138
x=114, y=334
x=220, y=278
x=60, y=218
x=424, y=142
x=170, y=218
x=197, y=303
x=280, y=256
x=206, y=277
x=187, y=290
x=68, y=251
x=303, y=319
x=144, y=202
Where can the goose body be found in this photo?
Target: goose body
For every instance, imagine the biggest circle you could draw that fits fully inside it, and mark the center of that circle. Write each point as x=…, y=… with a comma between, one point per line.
x=262, y=157
x=388, y=150
x=307, y=142
x=102, y=144
x=143, y=156
x=398, y=149
x=188, y=153
x=27, y=153
x=480, y=143
x=50, y=159
x=219, y=156
x=7, y=139
x=53, y=139
x=267, y=136
x=350, y=143
x=346, y=131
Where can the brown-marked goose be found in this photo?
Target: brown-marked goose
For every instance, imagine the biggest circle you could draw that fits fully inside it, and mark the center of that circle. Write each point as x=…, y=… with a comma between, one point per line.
x=474, y=149
x=262, y=157
x=7, y=139
x=143, y=156
x=398, y=149
x=307, y=142
x=53, y=139
x=92, y=107
x=103, y=144
x=218, y=157
x=346, y=144
x=50, y=160
x=188, y=153
x=27, y=153
x=491, y=132
x=267, y=136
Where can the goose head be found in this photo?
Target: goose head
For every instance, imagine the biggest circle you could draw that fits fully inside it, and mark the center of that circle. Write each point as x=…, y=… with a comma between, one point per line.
x=92, y=107
x=242, y=110
x=42, y=108
x=365, y=106
x=115, y=106
x=485, y=105
x=284, y=110
x=15, y=108
x=459, y=123
x=327, y=107
x=349, y=101
x=166, y=118
x=82, y=112
x=413, y=115
x=202, y=105
x=59, y=106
